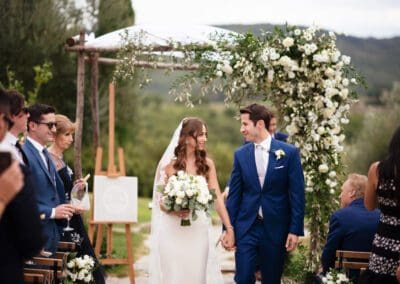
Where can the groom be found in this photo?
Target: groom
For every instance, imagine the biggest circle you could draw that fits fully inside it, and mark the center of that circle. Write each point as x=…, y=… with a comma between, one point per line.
x=266, y=199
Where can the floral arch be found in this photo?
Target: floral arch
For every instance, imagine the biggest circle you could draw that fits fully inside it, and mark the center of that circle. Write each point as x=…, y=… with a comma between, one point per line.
x=303, y=74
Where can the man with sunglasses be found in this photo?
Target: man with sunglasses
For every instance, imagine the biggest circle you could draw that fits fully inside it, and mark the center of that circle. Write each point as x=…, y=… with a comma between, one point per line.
x=21, y=234
x=50, y=190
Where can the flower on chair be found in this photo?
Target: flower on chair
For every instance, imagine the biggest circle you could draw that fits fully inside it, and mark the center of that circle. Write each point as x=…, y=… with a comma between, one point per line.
x=279, y=154
x=80, y=269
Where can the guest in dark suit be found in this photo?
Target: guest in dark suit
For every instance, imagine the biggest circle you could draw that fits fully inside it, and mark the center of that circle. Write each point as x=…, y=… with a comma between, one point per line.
x=50, y=195
x=62, y=141
x=352, y=227
x=20, y=228
x=272, y=129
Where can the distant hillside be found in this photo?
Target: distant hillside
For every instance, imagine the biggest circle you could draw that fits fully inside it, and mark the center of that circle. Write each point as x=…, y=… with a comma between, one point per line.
x=378, y=60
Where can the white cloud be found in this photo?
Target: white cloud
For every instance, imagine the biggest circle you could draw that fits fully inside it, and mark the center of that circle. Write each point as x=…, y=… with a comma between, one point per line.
x=356, y=17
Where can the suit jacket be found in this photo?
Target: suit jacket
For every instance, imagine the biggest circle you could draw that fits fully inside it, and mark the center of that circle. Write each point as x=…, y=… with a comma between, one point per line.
x=281, y=197
x=350, y=228
x=21, y=234
x=280, y=136
x=50, y=193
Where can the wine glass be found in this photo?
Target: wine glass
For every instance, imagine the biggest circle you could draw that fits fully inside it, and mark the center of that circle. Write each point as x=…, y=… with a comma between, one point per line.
x=68, y=228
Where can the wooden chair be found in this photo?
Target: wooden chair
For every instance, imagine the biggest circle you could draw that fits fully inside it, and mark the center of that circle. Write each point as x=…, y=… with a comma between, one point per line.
x=33, y=275
x=351, y=260
x=49, y=269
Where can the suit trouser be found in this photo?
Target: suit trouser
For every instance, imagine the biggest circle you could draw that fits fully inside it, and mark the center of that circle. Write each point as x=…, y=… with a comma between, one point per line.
x=255, y=249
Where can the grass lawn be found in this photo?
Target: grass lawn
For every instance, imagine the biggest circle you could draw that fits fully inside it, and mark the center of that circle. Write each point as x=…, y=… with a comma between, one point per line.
x=141, y=231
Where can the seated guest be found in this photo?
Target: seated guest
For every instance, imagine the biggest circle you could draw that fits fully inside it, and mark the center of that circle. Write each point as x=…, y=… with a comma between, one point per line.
x=21, y=234
x=62, y=141
x=50, y=194
x=352, y=227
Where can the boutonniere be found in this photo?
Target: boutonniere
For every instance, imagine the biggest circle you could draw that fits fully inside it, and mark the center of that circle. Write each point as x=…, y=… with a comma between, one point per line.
x=279, y=154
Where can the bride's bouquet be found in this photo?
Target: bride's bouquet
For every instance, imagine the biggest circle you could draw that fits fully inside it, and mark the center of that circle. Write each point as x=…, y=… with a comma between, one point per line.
x=185, y=191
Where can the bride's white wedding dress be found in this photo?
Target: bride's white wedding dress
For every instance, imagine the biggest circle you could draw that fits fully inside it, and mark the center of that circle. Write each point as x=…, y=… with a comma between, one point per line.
x=184, y=250
x=183, y=254
x=180, y=255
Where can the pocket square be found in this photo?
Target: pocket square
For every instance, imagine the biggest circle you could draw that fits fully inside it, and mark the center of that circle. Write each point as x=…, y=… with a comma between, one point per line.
x=279, y=167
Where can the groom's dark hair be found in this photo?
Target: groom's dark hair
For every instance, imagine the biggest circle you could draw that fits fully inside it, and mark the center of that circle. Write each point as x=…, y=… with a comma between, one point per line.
x=257, y=112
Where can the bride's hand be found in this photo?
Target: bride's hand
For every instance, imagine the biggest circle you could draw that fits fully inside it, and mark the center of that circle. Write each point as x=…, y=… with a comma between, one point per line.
x=228, y=239
x=184, y=213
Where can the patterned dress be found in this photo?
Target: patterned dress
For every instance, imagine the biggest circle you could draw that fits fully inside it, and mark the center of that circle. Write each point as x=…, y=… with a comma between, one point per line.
x=384, y=258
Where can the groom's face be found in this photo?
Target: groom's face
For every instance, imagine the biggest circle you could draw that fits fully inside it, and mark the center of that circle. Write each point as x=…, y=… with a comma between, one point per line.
x=249, y=131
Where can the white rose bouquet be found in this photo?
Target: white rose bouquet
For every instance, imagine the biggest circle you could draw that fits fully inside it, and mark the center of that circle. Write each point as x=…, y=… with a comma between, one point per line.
x=334, y=276
x=185, y=191
x=80, y=269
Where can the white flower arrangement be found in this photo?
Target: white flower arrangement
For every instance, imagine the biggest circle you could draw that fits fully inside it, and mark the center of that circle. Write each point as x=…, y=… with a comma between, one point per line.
x=185, y=191
x=279, y=154
x=335, y=277
x=80, y=269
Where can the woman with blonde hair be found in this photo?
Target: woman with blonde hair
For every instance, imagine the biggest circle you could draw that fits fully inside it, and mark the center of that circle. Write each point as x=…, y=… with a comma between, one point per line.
x=62, y=141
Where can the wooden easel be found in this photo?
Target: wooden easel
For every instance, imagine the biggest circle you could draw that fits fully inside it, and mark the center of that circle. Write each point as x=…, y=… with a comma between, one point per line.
x=111, y=172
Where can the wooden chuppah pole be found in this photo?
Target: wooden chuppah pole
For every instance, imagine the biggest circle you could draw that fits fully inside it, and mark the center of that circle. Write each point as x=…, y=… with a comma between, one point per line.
x=94, y=84
x=80, y=102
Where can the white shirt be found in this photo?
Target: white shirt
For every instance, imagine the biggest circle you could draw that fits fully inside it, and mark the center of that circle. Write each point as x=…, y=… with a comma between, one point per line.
x=40, y=148
x=11, y=140
x=266, y=145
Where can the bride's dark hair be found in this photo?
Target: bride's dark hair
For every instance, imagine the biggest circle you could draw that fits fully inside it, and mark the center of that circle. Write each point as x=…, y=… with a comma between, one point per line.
x=389, y=168
x=191, y=127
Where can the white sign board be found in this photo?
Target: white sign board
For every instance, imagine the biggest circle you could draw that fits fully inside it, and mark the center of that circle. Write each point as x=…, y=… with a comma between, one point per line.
x=115, y=199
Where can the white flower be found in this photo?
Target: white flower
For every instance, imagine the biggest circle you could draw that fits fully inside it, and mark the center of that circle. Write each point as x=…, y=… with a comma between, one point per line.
x=353, y=80
x=226, y=68
x=323, y=168
x=288, y=42
x=219, y=73
x=346, y=59
x=279, y=154
x=297, y=32
x=332, y=174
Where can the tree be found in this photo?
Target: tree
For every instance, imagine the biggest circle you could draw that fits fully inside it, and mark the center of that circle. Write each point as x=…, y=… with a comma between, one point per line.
x=33, y=32
x=113, y=15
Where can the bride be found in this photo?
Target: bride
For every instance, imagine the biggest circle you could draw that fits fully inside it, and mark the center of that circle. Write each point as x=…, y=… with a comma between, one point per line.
x=180, y=255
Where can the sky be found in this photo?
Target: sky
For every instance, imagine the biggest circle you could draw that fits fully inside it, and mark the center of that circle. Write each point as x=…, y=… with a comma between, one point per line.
x=363, y=18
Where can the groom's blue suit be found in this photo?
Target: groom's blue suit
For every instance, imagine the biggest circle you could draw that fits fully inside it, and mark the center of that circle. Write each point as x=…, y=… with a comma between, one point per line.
x=262, y=240
x=50, y=193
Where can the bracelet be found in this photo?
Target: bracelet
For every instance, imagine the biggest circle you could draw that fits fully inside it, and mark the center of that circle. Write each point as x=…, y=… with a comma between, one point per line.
x=229, y=227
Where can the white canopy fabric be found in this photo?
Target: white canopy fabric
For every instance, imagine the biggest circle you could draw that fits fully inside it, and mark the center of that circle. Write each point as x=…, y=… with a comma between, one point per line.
x=159, y=35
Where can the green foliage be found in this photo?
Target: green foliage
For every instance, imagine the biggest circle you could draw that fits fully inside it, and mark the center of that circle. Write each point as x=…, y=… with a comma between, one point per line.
x=33, y=32
x=42, y=75
x=296, y=264
x=372, y=139
x=113, y=15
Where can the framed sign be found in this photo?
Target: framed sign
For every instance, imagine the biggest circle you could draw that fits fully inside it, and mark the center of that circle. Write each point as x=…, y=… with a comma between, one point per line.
x=115, y=199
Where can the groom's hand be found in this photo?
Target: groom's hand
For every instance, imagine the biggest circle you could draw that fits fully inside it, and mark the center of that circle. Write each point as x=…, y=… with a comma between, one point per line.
x=291, y=242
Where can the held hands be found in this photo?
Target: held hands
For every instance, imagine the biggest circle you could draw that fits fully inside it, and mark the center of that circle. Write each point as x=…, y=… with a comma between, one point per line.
x=291, y=242
x=227, y=239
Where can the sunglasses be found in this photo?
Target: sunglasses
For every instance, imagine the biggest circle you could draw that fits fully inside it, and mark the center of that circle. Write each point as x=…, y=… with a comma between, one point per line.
x=50, y=125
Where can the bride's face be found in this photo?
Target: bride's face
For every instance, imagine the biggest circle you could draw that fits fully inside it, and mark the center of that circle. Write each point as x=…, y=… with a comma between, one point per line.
x=200, y=140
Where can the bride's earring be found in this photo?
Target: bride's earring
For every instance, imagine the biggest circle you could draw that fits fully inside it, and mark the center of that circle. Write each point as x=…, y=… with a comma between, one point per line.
x=186, y=142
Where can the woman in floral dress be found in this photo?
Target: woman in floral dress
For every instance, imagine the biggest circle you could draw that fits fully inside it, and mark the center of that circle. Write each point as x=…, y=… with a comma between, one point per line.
x=383, y=191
